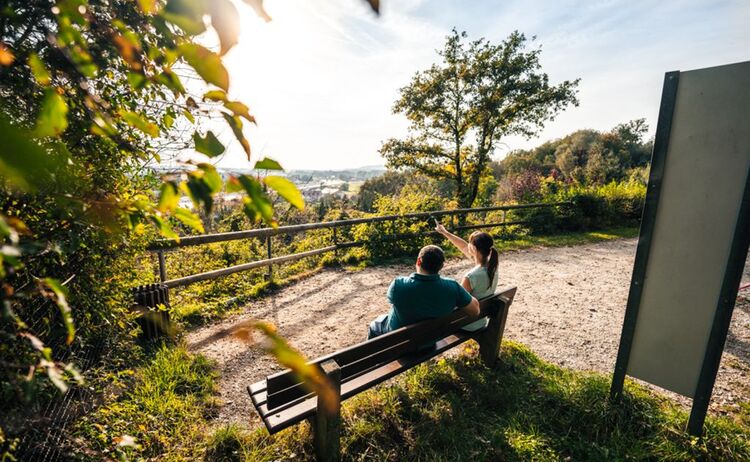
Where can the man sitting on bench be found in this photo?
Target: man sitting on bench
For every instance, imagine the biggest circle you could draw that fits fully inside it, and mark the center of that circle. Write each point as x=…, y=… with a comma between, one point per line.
x=423, y=295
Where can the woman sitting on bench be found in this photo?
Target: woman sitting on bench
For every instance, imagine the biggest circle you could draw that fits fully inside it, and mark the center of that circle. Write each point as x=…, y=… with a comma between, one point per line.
x=480, y=281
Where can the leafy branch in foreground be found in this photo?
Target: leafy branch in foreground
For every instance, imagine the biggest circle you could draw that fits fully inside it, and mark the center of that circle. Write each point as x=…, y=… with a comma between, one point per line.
x=89, y=90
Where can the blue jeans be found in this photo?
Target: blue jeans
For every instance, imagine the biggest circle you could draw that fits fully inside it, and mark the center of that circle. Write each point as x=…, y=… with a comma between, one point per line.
x=378, y=327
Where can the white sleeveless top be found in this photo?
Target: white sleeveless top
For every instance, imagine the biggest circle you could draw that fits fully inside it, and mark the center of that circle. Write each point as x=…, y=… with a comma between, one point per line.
x=480, y=287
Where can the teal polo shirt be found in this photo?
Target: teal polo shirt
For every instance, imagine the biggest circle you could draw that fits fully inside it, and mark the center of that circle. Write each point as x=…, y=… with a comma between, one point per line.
x=418, y=297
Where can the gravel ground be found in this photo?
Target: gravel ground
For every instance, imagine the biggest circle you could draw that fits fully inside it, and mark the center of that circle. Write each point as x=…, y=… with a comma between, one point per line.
x=569, y=310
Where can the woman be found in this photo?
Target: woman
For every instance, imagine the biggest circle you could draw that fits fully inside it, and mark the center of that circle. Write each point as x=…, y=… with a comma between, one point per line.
x=481, y=280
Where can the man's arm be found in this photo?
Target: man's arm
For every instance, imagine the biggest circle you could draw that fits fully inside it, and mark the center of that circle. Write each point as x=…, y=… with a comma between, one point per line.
x=472, y=309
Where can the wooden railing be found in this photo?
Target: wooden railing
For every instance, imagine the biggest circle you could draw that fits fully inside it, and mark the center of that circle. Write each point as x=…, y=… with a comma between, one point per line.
x=161, y=246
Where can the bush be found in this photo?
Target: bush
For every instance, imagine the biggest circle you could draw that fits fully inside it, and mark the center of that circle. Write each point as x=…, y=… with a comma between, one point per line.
x=386, y=239
x=616, y=204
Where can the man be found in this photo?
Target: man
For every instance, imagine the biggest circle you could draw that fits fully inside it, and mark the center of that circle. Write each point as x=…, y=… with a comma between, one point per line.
x=423, y=295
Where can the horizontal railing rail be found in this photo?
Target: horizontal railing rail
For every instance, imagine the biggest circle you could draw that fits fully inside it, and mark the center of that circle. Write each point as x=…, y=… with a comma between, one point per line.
x=161, y=246
x=201, y=239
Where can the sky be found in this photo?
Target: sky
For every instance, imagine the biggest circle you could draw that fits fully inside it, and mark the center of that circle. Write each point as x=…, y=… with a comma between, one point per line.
x=322, y=76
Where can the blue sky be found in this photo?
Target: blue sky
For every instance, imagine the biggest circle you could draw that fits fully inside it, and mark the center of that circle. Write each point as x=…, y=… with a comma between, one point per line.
x=322, y=76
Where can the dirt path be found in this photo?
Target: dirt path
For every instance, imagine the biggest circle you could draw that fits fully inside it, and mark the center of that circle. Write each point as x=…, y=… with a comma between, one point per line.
x=568, y=309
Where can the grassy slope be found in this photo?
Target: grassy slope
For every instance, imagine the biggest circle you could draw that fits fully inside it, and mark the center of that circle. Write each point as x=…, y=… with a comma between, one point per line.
x=166, y=404
x=523, y=409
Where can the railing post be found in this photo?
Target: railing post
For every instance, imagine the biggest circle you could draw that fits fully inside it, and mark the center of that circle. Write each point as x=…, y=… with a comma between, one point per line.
x=162, y=266
x=269, y=252
x=504, y=212
x=335, y=242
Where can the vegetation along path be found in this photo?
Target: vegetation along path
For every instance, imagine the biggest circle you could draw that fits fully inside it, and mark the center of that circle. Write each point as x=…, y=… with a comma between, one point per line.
x=568, y=310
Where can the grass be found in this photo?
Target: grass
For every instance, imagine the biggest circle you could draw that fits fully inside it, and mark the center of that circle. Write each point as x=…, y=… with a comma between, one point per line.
x=525, y=409
x=564, y=239
x=159, y=409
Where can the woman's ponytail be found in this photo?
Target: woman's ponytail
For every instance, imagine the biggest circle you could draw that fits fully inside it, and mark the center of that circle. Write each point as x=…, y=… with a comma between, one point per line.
x=485, y=245
x=492, y=262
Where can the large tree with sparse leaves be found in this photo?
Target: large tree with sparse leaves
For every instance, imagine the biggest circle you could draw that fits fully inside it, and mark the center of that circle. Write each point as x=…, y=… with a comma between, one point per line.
x=461, y=108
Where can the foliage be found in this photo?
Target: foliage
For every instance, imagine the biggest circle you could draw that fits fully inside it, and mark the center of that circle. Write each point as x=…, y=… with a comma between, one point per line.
x=460, y=109
x=91, y=92
x=590, y=207
x=403, y=236
x=525, y=409
x=586, y=156
x=387, y=184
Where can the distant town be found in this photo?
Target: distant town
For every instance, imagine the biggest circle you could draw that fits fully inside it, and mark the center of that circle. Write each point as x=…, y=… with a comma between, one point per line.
x=315, y=185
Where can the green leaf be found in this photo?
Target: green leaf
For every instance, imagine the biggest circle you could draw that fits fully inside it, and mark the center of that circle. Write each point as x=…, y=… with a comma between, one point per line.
x=211, y=177
x=164, y=228
x=38, y=70
x=148, y=6
x=239, y=109
x=171, y=80
x=186, y=14
x=140, y=122
x=23, y=163
x=286, y=189
x=167, y=120
x=53, y=118
x=267, y=164
x=257, y=203
x=60, y=298
x=312, y=377
x=215, y=95
x=136, y=80
x=210, y=145
x=188, y=116
x=189, y=219
x=169, y=197
x=235, y=123
x=207, y=64
x=225, y=20
x=55, y=375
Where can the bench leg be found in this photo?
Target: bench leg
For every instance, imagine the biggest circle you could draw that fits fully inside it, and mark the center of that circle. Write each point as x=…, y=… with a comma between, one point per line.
x=489, y=340
x=326, y=423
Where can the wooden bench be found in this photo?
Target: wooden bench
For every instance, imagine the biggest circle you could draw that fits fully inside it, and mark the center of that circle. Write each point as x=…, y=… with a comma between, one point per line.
x=282, y=400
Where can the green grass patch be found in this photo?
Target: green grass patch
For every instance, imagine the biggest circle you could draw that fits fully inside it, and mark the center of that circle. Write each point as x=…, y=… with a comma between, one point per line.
x=159, y=409
x=525, y=409
x=565, y=239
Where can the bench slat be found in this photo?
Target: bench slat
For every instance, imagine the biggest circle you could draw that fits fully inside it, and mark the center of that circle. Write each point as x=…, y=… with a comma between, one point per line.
x=287, y=416
x=298, y=389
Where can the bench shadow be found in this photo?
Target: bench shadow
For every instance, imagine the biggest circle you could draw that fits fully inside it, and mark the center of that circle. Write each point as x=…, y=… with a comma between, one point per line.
x=267, y=313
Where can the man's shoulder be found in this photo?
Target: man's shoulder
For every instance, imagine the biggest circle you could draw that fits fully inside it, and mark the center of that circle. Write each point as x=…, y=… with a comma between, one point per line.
x=401, y=280
x=449, y=282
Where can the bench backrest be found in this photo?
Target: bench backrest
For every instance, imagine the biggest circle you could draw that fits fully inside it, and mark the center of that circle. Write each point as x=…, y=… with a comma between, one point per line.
x=285, y=386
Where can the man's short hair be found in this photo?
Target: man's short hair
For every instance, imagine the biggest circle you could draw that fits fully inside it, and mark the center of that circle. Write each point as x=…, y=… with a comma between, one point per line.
x=432, y=258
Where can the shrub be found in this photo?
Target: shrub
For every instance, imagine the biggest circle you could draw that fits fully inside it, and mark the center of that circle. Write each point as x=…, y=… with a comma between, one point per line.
x=616, y=204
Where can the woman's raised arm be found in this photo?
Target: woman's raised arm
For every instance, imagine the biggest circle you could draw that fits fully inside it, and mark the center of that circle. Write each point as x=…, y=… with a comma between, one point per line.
x=455, y=240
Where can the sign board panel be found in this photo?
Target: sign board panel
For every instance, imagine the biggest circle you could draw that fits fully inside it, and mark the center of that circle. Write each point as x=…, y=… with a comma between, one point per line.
x=697, y=203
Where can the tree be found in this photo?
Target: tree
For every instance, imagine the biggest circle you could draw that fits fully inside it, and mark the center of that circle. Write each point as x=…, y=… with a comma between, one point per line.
x=461, y=108
x=387, y=184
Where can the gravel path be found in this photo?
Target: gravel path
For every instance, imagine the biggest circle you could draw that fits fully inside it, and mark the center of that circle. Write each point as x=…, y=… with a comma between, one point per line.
x=568, y=309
